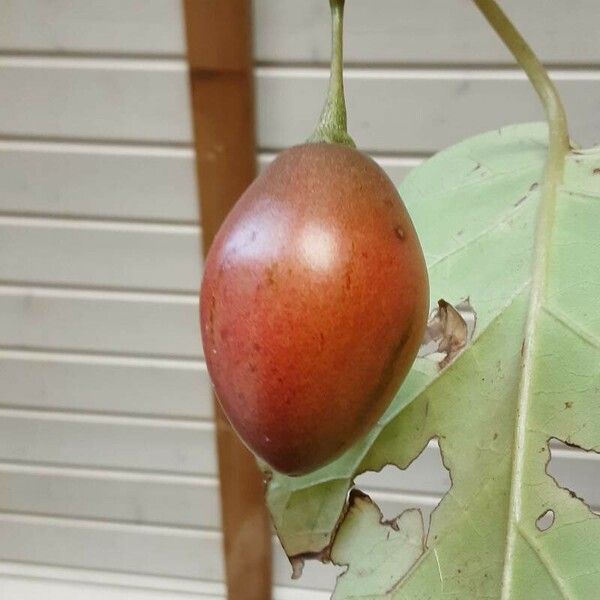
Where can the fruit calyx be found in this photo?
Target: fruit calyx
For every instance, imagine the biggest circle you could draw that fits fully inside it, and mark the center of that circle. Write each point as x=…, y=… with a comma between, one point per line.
x=333, y=127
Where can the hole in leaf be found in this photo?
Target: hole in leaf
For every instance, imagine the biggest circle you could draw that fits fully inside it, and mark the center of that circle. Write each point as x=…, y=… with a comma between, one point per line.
x=545, y=520
x=309, y=573
x=577, y=471
x=421, y=485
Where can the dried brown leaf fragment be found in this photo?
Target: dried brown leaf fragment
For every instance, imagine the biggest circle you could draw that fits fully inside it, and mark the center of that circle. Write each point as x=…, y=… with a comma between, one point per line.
x=449, y=330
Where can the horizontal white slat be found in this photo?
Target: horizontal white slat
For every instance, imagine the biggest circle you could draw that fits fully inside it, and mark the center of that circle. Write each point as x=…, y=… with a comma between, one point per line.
x=108, y=580
x=111, y=582
x=391, y=505
x=145, y=101
x=111, y=26
x=79, y=180
x=397, y=110
x=105, y=384
x=576, y=470
x=108, y=442
x=446, y=31
x=138, y=549
x=68, y=320
x=426, y=475
x=109, y=546
x=424, y=32
x=110, y=181
x=181, y=448
x=86, y=253
x=134, y=497
x=157, y=551
x=33, y=589
x=84, y=496
x=417, y=111
x=187, y=501
x=100, y=254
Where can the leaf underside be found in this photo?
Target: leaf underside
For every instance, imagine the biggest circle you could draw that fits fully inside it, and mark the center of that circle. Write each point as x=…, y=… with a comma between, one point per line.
x=475, y=207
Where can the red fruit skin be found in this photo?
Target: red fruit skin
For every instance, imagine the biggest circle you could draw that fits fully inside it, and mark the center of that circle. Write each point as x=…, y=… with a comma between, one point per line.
x=313, y=305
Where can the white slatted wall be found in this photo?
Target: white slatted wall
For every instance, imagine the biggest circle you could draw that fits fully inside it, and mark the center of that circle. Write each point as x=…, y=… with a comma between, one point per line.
x=107, y=462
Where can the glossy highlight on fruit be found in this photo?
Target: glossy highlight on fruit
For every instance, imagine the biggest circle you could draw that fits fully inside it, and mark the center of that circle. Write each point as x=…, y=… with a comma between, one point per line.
x=313, y=305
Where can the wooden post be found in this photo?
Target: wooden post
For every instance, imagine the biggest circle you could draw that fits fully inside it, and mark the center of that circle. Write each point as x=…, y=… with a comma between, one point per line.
x=220, y=60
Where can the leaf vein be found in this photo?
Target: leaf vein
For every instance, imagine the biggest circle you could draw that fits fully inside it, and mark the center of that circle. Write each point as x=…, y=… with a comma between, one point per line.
x=572, y=326
x=546, y=562
x=507, y=218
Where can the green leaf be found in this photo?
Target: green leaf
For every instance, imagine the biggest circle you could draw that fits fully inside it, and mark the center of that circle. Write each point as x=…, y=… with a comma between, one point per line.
x=492, y=409
x=385, y=549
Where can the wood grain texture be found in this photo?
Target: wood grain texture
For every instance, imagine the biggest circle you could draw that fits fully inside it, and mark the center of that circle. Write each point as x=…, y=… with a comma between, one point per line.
x=219, y=55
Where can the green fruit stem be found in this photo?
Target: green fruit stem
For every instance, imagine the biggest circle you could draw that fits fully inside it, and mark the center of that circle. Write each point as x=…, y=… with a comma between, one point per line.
x=559, y=148
x=529, y=62
x=333, y=127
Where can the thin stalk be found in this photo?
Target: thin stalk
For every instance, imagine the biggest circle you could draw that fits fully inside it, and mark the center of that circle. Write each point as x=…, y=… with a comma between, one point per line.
x=559, y=147
x=332, y=127
x=529, y=62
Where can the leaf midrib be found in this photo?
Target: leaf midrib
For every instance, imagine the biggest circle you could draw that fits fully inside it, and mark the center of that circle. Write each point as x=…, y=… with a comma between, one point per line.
x=553, y=178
